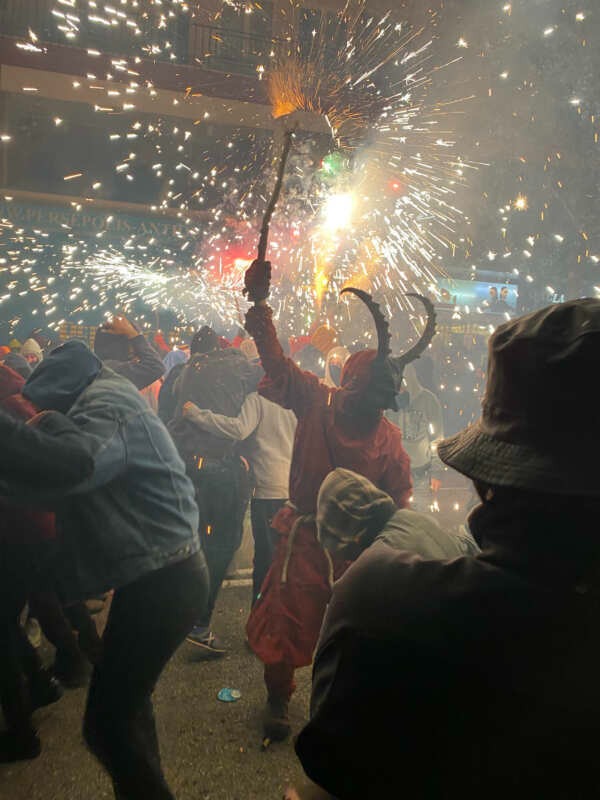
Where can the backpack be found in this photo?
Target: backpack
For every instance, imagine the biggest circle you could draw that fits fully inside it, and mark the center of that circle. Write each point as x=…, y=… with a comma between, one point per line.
x=218, y=381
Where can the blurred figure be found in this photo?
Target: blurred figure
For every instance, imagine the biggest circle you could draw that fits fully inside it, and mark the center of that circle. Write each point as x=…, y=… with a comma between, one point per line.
x=422, y=424
x=18, y=364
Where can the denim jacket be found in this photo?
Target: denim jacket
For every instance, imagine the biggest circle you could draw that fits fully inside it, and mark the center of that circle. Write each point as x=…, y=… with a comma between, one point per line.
x=137, y=512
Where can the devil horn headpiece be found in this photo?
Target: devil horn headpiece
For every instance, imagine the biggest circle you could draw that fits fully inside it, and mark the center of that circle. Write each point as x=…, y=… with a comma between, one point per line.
x=384, y=338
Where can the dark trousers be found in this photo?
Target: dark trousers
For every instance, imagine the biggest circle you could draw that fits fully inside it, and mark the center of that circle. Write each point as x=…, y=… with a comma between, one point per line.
x=148, y=620
x=19, y=662
x=262, y=513
x=222, y=494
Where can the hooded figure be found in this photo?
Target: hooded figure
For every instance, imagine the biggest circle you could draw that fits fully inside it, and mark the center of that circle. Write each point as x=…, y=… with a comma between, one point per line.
x=32, y=353
x=353, y=514
x=337, y=427
x=66, y=372
x=131, y=527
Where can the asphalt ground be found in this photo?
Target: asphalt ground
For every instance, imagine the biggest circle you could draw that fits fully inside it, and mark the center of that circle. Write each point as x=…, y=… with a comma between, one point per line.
x=210, y=750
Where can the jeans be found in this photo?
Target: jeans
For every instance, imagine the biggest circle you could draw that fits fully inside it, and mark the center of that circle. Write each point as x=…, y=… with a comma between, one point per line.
x=262, y=513
x=148, y=621
x=222, y=494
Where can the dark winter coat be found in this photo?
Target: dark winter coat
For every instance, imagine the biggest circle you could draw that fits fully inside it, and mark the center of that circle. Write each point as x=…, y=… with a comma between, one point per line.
x=471, y=678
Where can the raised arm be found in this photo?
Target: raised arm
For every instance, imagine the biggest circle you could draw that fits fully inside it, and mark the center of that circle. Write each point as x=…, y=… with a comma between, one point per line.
x=284, y=383
x=145, y=367
x=235, y=428
x=101, y=442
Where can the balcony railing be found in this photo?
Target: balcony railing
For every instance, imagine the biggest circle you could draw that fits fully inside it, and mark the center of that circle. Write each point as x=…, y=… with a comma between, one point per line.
x=228, y=50
x=220, y=49
x=17, y=18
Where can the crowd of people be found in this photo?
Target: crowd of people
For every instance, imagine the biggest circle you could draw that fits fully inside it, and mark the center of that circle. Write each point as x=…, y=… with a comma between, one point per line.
x=445, y=663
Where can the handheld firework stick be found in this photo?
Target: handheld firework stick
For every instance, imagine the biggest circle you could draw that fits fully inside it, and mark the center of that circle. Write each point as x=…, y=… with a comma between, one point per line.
x=266, y=223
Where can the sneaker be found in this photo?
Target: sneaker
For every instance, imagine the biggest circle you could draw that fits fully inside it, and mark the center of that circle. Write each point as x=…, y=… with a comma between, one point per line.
x=44, y=689
x=277, y=726
x=19, y=748
x=207, y=643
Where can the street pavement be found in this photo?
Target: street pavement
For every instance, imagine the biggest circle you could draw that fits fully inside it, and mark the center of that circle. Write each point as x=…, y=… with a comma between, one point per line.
x=210, y=750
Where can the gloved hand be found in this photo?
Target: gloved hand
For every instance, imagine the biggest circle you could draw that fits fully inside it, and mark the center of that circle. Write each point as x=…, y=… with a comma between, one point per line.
x=257, y=281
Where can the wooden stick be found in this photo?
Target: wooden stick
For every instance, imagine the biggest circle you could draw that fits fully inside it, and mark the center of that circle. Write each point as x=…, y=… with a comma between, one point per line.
x=264, y=231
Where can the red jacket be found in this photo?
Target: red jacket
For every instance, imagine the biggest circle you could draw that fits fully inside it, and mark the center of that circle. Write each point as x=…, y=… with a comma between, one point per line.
x=20, y=525
x=323, y=442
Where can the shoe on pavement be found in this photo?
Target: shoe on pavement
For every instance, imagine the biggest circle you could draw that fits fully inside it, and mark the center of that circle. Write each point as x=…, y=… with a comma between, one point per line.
x=19, y=748
x=44, y=689
x=277, y=726
x=206, y=642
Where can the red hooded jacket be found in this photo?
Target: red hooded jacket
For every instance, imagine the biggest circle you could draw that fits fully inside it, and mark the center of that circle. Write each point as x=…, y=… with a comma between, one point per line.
x=326, y=438
x=20, y=525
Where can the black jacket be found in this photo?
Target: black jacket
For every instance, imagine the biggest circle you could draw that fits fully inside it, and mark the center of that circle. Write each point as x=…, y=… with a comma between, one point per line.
x=35, y=460
x=463, y=679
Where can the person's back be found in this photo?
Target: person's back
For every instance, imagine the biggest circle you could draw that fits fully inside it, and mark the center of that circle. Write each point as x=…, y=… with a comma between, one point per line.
x=475, y=677
x=269, y=449
x=217, y=380
x=145, y=513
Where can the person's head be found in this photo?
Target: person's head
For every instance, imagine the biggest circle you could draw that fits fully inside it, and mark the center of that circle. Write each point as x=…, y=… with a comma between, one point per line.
x=536, y=434
x=32, y=353
x=504, y=293
x=493, y=293
x=62, y=377
x=204, y=341
x=351, y=512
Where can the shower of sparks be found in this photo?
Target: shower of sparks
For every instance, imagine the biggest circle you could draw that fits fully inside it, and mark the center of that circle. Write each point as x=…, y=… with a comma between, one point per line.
x=374, y=196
